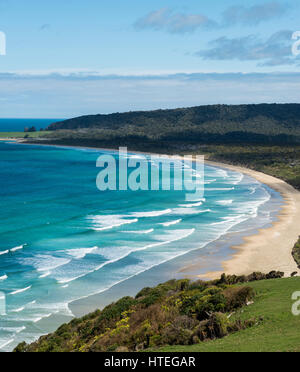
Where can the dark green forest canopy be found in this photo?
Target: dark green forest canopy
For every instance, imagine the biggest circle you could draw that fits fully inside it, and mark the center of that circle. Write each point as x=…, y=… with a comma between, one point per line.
x=262, y=120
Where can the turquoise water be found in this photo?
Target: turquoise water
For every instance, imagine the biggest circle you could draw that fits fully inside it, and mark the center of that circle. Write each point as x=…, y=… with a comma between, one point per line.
x=63, y=240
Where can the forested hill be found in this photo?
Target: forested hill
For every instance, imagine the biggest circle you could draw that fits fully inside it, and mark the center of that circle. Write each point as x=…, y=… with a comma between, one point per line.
x=262, y=120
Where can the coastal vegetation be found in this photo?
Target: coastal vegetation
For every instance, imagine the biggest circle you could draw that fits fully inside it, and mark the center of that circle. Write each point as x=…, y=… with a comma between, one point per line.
x=27, y=134
x=260, y=124
x=277, y=332
x=178, y=312
x=296, y=252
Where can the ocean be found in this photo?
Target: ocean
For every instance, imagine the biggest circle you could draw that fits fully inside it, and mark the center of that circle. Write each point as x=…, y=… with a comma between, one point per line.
x=18, y=125
x=62, y=240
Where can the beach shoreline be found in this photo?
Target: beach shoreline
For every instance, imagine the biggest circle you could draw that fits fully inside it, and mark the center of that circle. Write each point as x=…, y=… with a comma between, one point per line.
x=270, y=248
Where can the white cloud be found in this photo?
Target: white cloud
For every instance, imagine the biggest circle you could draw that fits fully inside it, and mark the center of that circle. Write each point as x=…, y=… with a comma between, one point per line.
x=255, y=14
x=165, y=19
x=274, y=51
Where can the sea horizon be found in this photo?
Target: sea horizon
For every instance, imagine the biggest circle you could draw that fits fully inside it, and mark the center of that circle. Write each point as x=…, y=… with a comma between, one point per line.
x=18, y=124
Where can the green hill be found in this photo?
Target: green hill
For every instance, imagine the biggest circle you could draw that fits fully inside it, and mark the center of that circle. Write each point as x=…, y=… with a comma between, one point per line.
x=278, y=332
x=264, y=123
x=230, y=314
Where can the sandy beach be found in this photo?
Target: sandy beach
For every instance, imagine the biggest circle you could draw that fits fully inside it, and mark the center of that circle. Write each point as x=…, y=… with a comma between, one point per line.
x=271, y=248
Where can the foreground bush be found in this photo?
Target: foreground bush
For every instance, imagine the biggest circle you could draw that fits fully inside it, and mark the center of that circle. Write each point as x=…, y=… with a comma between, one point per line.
x=296, y=252
x=174, y=313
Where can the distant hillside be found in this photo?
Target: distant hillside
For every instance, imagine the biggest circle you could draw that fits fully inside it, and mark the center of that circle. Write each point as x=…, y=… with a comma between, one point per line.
x=268, y=123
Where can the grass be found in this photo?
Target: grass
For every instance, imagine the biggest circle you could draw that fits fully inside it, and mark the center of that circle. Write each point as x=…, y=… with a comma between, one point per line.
x=9, y=135
x=278, y=332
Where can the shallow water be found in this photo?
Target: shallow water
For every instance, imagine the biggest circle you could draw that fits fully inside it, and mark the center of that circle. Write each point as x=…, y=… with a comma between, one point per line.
x=63, y=240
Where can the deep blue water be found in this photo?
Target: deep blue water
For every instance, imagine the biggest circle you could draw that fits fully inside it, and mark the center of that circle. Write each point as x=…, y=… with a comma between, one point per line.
x=62, y=239
x=18, y=125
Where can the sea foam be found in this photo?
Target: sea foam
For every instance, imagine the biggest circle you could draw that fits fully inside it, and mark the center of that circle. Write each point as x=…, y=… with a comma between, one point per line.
x=20, y=291
x=17, y=248
x=171, y=223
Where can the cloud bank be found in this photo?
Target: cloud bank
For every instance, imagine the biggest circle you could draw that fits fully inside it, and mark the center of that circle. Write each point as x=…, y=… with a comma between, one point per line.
x=57, y=95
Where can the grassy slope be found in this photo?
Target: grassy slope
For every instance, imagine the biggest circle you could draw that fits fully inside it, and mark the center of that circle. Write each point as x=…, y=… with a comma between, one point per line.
x=278, y=332
x=22, y=134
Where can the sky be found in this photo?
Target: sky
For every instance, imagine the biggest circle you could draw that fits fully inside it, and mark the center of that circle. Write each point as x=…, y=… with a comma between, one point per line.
x=78, y=57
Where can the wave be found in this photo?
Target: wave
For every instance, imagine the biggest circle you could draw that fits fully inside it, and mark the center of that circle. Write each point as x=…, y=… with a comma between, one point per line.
x=208, y=182
x=238, y=180
x=190, y=211
x=252, y=190
x=14, y=330
x=20, y=290
x=4, y=277
x=114, y=226
x=43, y=311
x=7, y=343
x=171, y=223
x=45, y=263
x=128, y=253
x=139, y=232
x=103, y=223
x=45, y=275
x=251, y=208
x=17, y=248
x=80, y=252
x=42, y=317
x=18, y=310
x=225, y=202
x=151, y=214
x=133, y=275
x=141, y=157
x=236, y=220
x=153, y=245
x=219, y=172
x=221, y=189
x=191, y=205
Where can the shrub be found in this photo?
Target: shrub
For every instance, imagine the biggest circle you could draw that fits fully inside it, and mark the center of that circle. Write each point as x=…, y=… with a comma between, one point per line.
x=237, y=297
x=275, y=275
x=174, y=335
x=215, y=327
